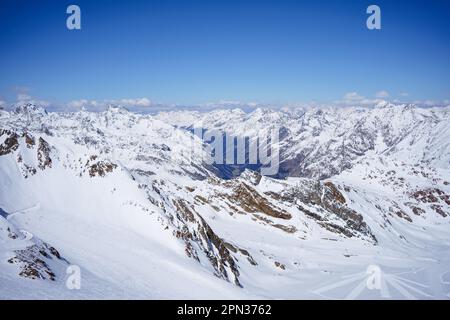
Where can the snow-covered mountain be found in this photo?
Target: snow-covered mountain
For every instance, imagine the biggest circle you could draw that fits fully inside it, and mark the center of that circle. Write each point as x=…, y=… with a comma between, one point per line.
x=320, y=143
x=129, y=200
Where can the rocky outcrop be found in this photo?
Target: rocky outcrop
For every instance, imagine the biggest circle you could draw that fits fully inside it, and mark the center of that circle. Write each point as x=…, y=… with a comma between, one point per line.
x=251, y=201
x=196, y=232
x=99, y=168
x=33, y=258
x=436, y=199
x=43, y=154
x=329, y=204
x=10, y=143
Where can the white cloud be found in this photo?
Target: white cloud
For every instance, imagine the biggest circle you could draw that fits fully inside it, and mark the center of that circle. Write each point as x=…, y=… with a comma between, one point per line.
x=354, y=99
x=26, y=98
x=94, y=104
x=23, y=97
x=353, y=96
x=227, y=104
x=77, y=104
x=350, y=99
x=141, y=102
x=427, y=103
x=432, y=103
x=404, y=94
x=382, y=94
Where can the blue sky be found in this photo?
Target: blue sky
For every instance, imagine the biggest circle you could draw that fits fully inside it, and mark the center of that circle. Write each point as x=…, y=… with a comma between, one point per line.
x=194, y=52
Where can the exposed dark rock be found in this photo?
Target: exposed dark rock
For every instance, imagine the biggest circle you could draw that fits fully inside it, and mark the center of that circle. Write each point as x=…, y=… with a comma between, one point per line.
x=335, y=192
x=251, y=201
x=101, y=168
x=280, y=265
x=439, y=210
x=330, y=200
x=33, y=261
x=427, y=195
x=195, y=230
x=43, y=154
x=418, y=211
x=29, y=140
x=10, y=144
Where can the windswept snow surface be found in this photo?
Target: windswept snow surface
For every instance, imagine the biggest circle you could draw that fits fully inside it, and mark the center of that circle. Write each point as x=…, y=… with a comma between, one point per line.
x=363, y=210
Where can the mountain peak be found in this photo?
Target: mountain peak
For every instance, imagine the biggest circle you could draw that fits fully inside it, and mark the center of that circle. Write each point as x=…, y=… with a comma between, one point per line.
x=30, y=108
